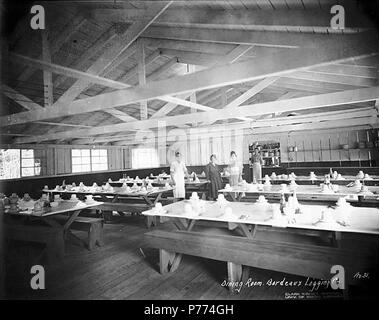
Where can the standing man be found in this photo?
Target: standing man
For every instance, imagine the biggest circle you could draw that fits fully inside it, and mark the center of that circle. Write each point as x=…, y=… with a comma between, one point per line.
x=178, y=171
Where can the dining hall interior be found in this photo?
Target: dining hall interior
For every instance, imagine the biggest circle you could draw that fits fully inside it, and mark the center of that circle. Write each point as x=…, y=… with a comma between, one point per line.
x=189, y=150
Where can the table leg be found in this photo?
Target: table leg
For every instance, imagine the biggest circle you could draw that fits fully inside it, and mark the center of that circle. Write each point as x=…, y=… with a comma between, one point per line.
x=166, y=259
x=72, y=218
x=174, y=259
x=248, y=234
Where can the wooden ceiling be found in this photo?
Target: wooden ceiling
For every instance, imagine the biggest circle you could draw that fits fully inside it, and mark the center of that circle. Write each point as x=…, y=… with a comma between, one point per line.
x=96, y=70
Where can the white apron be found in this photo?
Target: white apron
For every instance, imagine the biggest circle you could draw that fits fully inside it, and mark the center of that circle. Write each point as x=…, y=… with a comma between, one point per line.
x=178, y=175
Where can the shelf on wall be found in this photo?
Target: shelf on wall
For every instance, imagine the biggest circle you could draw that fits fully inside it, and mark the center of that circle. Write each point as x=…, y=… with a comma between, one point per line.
x=335, y=150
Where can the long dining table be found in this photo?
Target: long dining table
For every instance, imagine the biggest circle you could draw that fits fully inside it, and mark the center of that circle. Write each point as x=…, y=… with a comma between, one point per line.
x=307, y=180
x=306, y=244
x=200, y=186
x=117, y=198
x=304, y=192
x=28, y=224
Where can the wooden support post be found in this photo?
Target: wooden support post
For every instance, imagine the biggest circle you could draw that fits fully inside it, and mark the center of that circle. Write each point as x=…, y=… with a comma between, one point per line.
x=47, y=75
x=140, y=57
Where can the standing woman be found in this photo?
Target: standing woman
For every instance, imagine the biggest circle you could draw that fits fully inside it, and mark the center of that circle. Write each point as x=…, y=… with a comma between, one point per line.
x=257, y=166
x=234, y=169
x=212, y=173
x=178, y=171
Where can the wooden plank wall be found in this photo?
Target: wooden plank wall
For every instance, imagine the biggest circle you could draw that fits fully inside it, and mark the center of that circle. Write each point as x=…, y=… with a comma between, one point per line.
x=321, y=146
x=56, y=160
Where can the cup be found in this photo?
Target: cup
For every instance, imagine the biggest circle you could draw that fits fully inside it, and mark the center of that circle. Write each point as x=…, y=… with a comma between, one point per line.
x=54, y=204
x=57, y=197
x=261, y=199
x=73, y=197
x=46, y=187
x=89, y=198
x=194, y=195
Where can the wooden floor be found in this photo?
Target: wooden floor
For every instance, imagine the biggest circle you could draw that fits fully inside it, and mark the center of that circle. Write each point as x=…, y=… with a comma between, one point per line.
x=125, y=269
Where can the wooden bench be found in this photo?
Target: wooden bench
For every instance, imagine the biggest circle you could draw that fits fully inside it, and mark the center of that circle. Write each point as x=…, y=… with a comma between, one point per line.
x=93, y=226
x=293, y=258
x=51, y=237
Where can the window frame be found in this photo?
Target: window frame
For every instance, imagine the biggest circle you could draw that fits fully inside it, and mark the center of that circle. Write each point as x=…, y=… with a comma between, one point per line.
x=91, y=160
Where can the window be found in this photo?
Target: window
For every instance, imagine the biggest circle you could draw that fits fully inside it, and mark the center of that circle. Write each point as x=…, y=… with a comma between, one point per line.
x=29, y=165
x=10, y=163
x=16, y=163
x=144, y=158
x=89, y=160
x=99, y=159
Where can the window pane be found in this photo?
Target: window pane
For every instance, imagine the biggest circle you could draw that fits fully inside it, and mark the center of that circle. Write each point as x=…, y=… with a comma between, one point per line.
x=86, y=160
x=86, y=153
x=26, y=172
x=103, y=152
x=27, y=153
x=76, y=160
x=27, y=162
x=75, y=152
x=95, y=152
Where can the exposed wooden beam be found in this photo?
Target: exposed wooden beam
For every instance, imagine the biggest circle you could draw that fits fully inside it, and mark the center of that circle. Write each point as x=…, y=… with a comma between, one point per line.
x=332, y=78
x=349, y=70
x=134, y=71
x=304, y=103
x=120, y=44
x=162, y=69
x=47, y=75
x=363, y=114
x=190, y=46
x=66, y=71
x=232, y=56
x=191, y=57
x=168, y=107
x=291, y=20
x=62, y=124
x=23, y=101
x=256, y=38
x=252, y=92
x=121, y=115
x=314, y=117
x=187, y=103
x=278, y=64
x=344, y=123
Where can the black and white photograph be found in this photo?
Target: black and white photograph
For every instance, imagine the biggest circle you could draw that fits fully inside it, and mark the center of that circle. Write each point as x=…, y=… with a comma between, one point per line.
x=195, y=152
